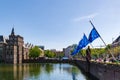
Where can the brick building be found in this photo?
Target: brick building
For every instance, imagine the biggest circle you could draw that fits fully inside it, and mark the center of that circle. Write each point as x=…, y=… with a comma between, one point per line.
x=13, y=50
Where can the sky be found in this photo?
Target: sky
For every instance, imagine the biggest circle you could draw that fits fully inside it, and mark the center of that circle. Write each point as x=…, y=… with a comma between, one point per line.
x=56, y=24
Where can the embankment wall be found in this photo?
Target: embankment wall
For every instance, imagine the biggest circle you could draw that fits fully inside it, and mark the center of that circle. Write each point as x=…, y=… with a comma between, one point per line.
x=102, y=71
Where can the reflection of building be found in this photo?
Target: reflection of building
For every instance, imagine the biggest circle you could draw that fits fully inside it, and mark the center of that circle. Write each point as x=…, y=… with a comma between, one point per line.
x=12, y=49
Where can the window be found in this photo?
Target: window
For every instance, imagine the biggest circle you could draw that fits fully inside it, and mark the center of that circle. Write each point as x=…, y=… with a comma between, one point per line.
x=7, y=47
x=11, y=52
x=15, y=38
x=7, y=52
x=1, y=50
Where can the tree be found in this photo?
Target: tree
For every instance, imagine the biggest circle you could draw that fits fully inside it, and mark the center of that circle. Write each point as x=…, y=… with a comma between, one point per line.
x=34, y=52
x=49, y=54
x=95, y=52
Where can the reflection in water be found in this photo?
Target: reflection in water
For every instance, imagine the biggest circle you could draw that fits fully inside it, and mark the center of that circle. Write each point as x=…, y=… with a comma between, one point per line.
x=39, y=71
x=73, y=76
x=48, y=68
x=34, y=71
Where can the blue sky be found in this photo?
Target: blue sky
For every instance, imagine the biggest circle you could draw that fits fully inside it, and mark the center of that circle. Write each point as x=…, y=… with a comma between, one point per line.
x=60, y=23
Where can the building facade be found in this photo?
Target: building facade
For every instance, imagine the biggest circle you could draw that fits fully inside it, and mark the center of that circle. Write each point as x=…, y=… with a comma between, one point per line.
x=116, y=42
x=12, y=50
x=67, y=51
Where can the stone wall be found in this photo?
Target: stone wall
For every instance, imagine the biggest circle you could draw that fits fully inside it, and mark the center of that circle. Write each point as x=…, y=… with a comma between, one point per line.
x=102, y=71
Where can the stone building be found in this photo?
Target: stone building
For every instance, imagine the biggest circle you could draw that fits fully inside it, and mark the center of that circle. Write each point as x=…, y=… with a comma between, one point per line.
x=2, y=48
x=12, y=50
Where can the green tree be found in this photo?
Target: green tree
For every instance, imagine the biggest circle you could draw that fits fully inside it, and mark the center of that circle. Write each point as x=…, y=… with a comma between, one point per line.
x=49, y=54
x=115, y=50
x=34, y=52
x=95, y=52
x=60, y=55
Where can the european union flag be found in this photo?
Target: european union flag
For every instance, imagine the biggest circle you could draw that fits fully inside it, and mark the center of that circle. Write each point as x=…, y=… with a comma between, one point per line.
x=78, y=48
x=83, y=43
x=93, y=35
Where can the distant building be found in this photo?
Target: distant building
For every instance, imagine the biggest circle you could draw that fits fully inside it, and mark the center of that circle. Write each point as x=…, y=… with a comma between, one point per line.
x=116, y=42
x=42, y=51
x=67, y=51
x=42, y=47
x=12, y=50
x=27, y=47
x=57, y=53
x=53, y=50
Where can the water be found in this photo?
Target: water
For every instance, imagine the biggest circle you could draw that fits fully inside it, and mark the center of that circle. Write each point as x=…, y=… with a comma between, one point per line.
x=38, y=71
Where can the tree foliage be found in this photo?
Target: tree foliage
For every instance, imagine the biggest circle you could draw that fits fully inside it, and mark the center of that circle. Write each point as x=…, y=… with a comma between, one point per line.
x=60, y=55
x=49, y=54
x=95, y=52
x=115, y=51
x=101, y=52
x=34, y=52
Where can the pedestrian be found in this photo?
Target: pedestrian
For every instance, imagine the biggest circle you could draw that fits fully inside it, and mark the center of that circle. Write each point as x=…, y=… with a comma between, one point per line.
x=88, y=58
x=88, y=54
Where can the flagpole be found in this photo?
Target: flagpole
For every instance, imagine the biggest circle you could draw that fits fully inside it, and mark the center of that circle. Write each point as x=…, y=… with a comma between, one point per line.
x=103, y=41
x=99, y=35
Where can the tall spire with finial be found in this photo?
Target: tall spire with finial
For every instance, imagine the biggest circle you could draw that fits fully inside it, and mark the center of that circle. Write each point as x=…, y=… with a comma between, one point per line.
x=12, y=32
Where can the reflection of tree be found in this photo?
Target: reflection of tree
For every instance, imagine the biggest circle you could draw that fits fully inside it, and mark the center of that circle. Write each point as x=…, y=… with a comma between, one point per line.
x=74, y=76
x=6, y=72
x=34, y=70
x=49, y=68
x=72, y=69
x=75, y=70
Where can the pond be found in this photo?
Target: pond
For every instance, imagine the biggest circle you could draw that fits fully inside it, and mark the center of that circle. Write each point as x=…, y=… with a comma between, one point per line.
x=40, y=71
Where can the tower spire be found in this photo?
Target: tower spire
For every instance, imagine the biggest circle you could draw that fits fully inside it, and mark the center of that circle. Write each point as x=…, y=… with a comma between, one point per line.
x=12, y=32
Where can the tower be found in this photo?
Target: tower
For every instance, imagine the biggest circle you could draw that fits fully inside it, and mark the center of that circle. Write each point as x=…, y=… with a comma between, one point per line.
x=14, y=48
x=12, y=32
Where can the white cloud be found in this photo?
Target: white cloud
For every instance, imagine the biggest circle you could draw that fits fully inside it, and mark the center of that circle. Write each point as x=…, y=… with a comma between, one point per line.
x=91, y=16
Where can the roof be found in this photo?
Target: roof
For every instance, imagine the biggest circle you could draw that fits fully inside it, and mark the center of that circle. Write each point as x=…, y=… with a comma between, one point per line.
x=116, y=40
x=2, y=39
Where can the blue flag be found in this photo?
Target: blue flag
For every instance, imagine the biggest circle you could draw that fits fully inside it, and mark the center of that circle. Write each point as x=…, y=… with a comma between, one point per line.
x=93, y=35
x=79, y=47
x=83, y=43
